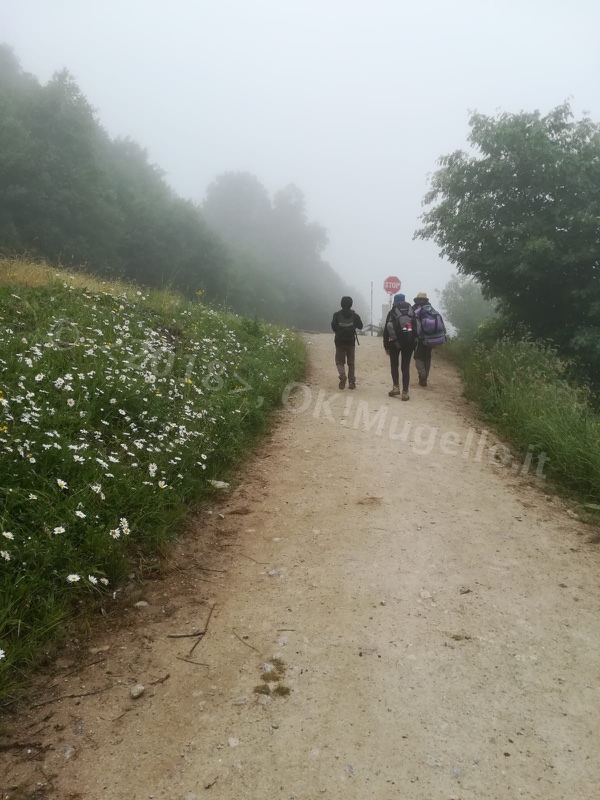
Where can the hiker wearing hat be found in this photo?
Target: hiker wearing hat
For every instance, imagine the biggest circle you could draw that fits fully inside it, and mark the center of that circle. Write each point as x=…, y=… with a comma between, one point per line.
x=344, y=325
x=431, y=333
x=399, y=340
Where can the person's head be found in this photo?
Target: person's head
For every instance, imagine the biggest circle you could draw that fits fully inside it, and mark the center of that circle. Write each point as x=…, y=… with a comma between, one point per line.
x=421, y=299
x=346, y=303
x=399, y=298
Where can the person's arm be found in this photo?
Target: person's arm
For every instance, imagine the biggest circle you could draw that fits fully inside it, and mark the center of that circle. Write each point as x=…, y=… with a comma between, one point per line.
x=386, y=335
x=357, y=322
x=334, y=322
x=419, y=331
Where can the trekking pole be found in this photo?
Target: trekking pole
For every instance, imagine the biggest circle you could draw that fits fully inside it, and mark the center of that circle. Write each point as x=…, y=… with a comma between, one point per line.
x=356, y=337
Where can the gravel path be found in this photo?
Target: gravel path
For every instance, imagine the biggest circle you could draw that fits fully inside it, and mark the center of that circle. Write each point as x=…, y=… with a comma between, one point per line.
x=433, y=614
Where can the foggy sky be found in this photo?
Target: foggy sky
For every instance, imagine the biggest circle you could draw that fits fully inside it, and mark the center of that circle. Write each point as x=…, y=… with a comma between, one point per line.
x=353, y=101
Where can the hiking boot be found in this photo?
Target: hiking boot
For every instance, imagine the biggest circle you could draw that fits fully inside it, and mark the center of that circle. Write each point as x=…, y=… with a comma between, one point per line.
x=342, y=383
x=405, y=396
x=352, y=385
x=395, y=392
x=422, y=380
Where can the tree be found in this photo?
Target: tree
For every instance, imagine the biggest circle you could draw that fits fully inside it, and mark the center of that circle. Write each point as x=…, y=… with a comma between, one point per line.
x=464, y=305
x=71, y=194
x=277, y=254
x=521, y=216
x=11, y=73
x=74, y=196
x=237, y=206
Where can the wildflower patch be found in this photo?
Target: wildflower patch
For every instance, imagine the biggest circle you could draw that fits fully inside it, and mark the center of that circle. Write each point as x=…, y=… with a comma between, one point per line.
x=111, y=427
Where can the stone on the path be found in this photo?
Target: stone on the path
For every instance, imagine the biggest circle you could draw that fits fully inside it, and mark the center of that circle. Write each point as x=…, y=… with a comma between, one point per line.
x=220, y=485
x=240, y=701
x=95, y=650
x=264, y=699
x=137, y=691
x=141, y=604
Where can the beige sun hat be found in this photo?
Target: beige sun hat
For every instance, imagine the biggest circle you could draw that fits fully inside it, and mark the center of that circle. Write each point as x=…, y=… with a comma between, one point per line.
x=422, y=296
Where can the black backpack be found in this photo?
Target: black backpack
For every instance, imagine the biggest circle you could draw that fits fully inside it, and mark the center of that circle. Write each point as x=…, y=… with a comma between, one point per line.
x=402, y=325
x=345, y=327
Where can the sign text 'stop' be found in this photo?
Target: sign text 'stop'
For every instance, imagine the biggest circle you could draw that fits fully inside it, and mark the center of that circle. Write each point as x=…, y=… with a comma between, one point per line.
x=391, y=285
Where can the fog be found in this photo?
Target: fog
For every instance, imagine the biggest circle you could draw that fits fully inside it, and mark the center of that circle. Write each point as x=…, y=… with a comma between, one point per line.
x=351, y=101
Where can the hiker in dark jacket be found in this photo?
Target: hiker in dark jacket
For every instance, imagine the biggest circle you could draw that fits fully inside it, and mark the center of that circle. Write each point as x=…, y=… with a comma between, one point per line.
x=432, y=333
x=344, y=325
x=400, y=351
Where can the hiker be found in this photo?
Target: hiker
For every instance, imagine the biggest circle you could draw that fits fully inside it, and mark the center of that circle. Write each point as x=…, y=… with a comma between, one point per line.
x=344, y=325
x=399, y=340
x=431, y=333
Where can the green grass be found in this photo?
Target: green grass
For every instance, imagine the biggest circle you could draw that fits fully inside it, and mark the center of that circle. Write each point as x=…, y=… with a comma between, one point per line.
x=522, y=389
x=117, y=407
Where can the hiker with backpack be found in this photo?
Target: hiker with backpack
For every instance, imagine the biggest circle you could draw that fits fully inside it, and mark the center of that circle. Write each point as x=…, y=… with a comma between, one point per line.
x=399, y=341
x=344, y=325
x=431, y=333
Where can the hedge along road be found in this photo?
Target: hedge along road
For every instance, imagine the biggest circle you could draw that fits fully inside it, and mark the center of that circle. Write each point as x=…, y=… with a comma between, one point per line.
x=434, y=615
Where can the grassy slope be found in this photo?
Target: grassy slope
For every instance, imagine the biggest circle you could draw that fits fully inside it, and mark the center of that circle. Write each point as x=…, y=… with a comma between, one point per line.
x=117, y=407
x=522, y=391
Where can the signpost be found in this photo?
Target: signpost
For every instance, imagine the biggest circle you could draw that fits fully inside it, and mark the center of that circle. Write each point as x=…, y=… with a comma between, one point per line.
x=392, y=285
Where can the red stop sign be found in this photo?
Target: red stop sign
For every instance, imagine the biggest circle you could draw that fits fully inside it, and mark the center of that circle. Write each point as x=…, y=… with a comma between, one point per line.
x=391, y=285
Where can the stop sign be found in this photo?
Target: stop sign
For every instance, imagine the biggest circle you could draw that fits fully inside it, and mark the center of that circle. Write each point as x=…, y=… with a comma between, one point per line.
x=391, y=285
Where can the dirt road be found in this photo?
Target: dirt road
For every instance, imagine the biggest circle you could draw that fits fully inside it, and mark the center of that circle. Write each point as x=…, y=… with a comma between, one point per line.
x=434, y=615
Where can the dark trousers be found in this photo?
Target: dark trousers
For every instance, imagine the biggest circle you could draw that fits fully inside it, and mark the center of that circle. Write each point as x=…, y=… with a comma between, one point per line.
x=402, y=357
x=423, y=359
x=343, y=353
